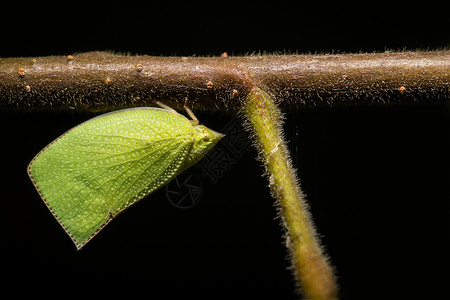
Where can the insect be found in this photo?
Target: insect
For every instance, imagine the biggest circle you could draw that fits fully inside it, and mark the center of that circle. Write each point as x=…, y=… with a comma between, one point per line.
x=99, y=168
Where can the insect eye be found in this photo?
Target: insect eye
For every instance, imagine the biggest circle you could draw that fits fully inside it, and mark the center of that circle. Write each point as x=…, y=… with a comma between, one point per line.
x=205, y=135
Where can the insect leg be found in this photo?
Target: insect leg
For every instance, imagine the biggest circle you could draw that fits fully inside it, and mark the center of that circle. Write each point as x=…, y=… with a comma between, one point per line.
x=194, y=120
x=162, y=105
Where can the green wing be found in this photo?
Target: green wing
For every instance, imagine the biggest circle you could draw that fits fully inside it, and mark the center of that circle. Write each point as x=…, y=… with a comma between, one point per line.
x=104, y=165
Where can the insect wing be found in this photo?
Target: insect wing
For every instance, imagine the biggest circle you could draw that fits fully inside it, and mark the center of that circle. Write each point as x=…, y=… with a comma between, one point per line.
x=104, y=165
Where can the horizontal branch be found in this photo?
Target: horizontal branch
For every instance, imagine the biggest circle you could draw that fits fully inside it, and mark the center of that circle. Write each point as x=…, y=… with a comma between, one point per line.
x=103, y=81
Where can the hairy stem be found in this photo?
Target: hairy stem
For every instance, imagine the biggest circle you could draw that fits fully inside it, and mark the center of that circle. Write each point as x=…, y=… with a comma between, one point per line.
x=104, y=81
x=309, y=263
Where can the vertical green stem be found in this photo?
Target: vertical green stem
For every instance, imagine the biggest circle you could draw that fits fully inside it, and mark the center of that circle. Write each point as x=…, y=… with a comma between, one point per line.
x=310, y=266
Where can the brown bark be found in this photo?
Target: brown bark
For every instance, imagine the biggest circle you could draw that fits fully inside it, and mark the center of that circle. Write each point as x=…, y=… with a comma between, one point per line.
x=104, y=81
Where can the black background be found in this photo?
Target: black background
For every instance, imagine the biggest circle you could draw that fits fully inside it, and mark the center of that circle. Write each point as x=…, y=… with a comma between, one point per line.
x=376, y=176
